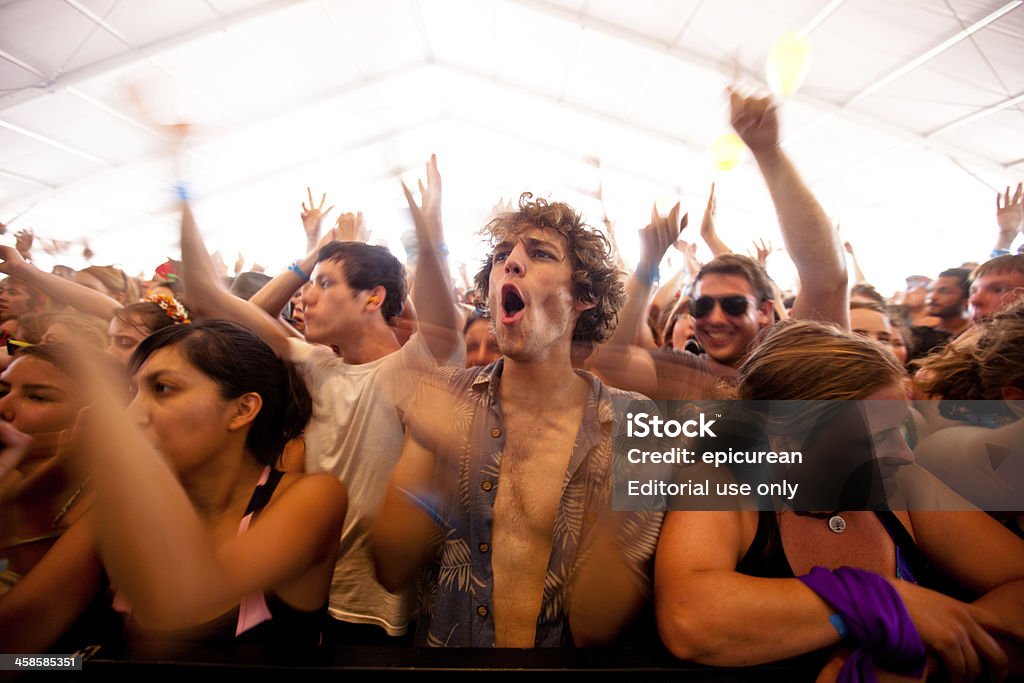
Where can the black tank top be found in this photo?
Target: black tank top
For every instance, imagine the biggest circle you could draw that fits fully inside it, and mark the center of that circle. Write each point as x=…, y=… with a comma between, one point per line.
x=289, y=632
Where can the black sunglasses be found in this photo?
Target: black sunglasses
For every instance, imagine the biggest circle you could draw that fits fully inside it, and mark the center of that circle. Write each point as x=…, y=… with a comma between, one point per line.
x=731, y=305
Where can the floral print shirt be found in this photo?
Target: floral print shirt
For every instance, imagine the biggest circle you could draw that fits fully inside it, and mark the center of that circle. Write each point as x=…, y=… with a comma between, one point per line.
x=468, y=445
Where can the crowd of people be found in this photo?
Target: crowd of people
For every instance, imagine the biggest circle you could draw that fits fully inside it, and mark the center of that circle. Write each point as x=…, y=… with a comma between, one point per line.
x=362, y=454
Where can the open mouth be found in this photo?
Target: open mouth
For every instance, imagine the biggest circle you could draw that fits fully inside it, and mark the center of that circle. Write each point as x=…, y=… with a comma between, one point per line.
x=512, y=304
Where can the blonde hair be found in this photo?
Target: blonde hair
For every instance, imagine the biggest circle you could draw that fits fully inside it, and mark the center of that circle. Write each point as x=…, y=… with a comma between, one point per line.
x=809, y=360
x=86, y=328
x=116, y=282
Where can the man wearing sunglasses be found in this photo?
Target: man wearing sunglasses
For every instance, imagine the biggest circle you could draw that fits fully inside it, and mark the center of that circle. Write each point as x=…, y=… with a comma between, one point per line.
x=732, y=302
x=732, y=295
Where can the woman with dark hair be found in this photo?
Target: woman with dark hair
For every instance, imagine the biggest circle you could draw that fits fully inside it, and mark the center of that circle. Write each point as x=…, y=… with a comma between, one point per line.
x=745, y=587
x=203, y=537
x=52, y=573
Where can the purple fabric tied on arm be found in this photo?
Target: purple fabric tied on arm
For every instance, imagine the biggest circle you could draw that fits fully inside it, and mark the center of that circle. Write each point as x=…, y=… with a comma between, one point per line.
x=877, y=620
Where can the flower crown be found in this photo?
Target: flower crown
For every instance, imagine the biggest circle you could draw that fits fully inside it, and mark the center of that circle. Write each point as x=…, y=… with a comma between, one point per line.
x=172, y=307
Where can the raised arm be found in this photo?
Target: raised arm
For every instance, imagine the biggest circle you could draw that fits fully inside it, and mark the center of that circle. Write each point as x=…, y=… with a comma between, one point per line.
x=71, y=293
x=208, y=297
x=274, y=295
x=620, y=362
x=858, y=275
x=665, y=296
x=1010, y=217
x=312, y=216
x=432, y=294
x=708, y=231
x=810, y=238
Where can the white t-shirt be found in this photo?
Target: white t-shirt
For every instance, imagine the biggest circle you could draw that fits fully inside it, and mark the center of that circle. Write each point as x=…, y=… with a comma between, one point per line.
x=356, y=434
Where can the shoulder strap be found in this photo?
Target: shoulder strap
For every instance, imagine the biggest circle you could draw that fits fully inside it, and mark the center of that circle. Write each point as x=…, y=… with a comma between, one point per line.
x=264, y=491
x=910, y=561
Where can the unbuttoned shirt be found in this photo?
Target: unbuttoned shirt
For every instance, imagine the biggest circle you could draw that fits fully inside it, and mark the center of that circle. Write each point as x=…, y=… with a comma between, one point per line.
x=456, y=605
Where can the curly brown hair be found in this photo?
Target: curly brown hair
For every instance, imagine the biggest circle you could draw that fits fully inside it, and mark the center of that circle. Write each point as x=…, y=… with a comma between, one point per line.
x=979, y=367
x=596, y=278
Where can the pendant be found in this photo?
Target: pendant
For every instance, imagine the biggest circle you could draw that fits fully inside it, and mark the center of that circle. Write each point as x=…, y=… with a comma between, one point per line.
x=837, y=524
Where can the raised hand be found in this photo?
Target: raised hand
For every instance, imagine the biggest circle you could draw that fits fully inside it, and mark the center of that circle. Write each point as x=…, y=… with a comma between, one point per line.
x=659, y=235
x=689, y=252
x=23, y=243
x=755, y=121
x=707, y=222
x=10, y=259
x=219, y=265
x=427, y=216
x=312, y=216
x=763, y=250
x=239, y=263
x=350, y=227
x=708, y=233
x=1009, y=215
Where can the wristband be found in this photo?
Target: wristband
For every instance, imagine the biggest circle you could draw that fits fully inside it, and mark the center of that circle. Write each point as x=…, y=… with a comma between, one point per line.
x=996, y=253
x=839, y=625
x=181, y=190
x=428, y=503
x=648, y=274
x=295, y=268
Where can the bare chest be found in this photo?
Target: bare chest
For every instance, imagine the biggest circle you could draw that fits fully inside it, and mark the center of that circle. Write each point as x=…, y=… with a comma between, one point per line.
x=533, y=468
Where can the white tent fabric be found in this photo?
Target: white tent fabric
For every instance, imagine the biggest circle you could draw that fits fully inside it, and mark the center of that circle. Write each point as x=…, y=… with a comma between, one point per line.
x=908, y=123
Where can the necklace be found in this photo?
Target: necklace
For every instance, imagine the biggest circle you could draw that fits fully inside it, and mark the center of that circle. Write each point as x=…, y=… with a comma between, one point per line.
x=70, y=501
x=836, y=522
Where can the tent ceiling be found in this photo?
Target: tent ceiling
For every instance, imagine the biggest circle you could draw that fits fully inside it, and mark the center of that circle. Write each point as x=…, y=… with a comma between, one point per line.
x=347, y=96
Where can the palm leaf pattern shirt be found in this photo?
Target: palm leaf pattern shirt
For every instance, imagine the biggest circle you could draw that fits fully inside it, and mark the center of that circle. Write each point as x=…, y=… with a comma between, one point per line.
x=457, y=415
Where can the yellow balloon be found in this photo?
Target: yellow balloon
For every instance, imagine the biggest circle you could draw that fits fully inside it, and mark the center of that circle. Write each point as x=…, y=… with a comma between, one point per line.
x=726, y=151
x=787, y=64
